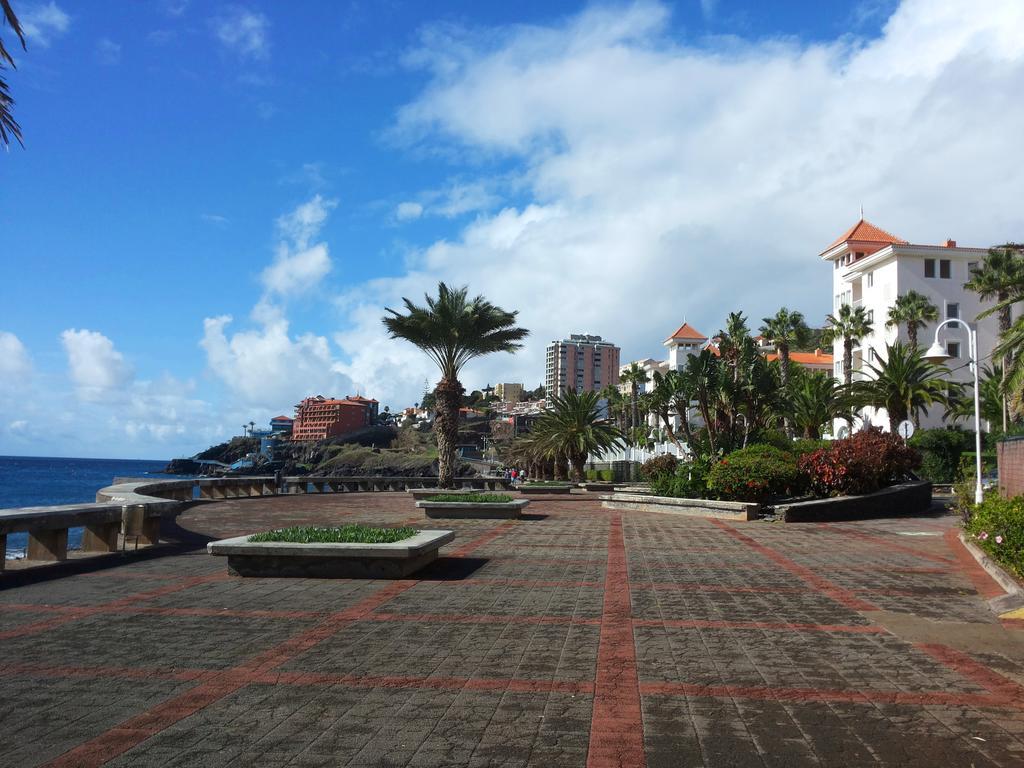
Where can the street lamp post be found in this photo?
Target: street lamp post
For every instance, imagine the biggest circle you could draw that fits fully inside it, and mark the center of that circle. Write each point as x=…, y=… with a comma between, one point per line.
x=937, y=354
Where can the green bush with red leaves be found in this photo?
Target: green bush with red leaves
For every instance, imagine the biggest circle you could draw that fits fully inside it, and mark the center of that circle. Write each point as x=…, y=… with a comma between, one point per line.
x=862, y=463
x=758, y=473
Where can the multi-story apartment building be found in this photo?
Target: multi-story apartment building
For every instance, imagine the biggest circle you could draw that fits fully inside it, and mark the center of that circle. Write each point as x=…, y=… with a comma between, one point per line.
x=508, y=392
x=581, y=363
x=871, y=267
x=318, y=418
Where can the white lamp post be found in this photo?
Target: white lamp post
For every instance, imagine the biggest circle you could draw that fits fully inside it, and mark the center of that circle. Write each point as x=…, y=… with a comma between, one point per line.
x=937, y=354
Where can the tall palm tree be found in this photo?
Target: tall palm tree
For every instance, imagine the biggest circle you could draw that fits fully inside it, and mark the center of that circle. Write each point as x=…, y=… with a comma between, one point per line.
x=635, y=376
x=453, y=329
x=785, y=329
x=1000, y=275
x=572, y=426
x=8, y=125
x=914, y=310
x=905, y=384
x=850, y=324
x=815, y=402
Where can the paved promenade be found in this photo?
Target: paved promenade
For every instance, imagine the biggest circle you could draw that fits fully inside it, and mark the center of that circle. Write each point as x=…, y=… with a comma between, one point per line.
x=580, y=637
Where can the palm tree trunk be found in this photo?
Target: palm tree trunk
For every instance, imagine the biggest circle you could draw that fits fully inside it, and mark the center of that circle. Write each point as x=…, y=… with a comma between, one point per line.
x=667, y=421
x=579, y=463
x=633, y=389
x=912, y=333
x=446, y=429
x=1005, y=319
x=847, y=360
x=784, y=375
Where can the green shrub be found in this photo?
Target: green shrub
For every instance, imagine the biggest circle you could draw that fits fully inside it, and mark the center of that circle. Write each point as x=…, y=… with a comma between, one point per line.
x=689, y=482
x=862, y=463
x=346, y=534
x=773, y=437
x=757, y=473
x=660, y=465
x=940, y=452
x=471, y=498
x=967, y=462
x=997, y=526
x=807, y=445
x=606, y=475
x=591, y=474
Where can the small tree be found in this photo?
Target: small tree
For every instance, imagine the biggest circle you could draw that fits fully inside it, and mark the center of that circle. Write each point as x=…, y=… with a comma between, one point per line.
x=572, y=427
x=453, y=329
x=915, y=311
x=850, y=324
x=905, y=385
x=785, y=330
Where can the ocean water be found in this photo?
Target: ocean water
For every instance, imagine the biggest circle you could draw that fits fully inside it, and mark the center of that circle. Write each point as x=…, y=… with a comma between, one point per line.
x=28, y=481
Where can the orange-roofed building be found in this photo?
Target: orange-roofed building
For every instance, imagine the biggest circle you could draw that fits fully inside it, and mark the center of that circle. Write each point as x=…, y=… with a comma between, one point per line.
x=320, y=418
x=871, y=267
x=686, y=341
x=814, y=361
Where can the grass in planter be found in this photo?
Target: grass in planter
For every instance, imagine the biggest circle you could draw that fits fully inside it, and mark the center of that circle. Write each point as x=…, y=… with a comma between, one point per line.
x=346, y=534
x=471, y=498
x=547, y=482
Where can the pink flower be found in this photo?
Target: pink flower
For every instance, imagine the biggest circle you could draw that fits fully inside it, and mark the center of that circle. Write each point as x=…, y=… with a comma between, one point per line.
x=983, y=535
x=999, y=539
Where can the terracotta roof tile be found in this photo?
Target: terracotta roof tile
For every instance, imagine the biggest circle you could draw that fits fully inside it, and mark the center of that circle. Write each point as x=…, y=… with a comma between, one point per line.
x=866, y=232
x=687, y=332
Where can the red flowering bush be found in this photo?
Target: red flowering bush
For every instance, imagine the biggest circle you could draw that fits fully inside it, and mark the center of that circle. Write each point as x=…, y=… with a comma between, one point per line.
x=862, y=463
x=757, y=473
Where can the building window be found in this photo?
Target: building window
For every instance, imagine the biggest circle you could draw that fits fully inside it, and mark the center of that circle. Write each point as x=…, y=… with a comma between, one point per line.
x=944, y=269
x=952, y=310
x=871, y=279
x=929, y=267
x=953, y=348
x=871, y=315
x=972, y=267
x=839, y=368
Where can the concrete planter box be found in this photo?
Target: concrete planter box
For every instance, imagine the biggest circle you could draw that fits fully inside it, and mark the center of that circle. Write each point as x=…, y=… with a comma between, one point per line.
x=723, y=510
x=330, y=561
x=473, y=510
x=531, y=490
x=895, y=501
x=599, y=487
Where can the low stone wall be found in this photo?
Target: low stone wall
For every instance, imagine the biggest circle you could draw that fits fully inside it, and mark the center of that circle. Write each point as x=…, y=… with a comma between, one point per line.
x=723, y=510
x=897, y=501
x=1010, y=458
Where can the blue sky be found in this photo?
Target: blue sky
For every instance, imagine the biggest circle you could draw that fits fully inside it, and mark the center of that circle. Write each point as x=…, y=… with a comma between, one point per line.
x=609, y=168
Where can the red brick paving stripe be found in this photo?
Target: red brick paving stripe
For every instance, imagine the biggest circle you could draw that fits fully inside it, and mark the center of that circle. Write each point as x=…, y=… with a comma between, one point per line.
x=165, y=611
x=780, y=625
x=764, y=693
x=616, y=726
x=81, y=612
x=834, y=591
x=135, y=730
x=884, y=543
x=474, y=544
x=975, y=671
x=985, y=585
x=1013, y=623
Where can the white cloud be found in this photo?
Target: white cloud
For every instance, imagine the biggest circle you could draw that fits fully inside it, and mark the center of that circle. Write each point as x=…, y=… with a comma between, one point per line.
x=107, y=51
x=244, y=32
x=655, y=179
x=43, y=23
x=214, y=218
x=408, y=210
x=266, y=367
x=15, y=365
x=298, y=265
x=96, y=368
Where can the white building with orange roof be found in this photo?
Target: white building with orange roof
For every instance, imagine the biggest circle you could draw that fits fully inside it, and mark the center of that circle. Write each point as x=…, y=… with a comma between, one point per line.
x=871, y=267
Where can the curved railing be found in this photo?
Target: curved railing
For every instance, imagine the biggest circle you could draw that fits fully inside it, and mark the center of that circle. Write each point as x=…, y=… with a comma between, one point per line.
x=132, y=509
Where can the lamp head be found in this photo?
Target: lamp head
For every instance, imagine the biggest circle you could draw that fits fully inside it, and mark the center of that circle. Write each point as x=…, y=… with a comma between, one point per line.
x=936, y=354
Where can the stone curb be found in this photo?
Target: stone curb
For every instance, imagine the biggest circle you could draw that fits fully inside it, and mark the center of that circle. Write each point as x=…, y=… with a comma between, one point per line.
x=1014, y=597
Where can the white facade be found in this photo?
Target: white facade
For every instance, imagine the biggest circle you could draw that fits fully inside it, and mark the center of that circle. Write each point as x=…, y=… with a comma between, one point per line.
x=870, y=268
